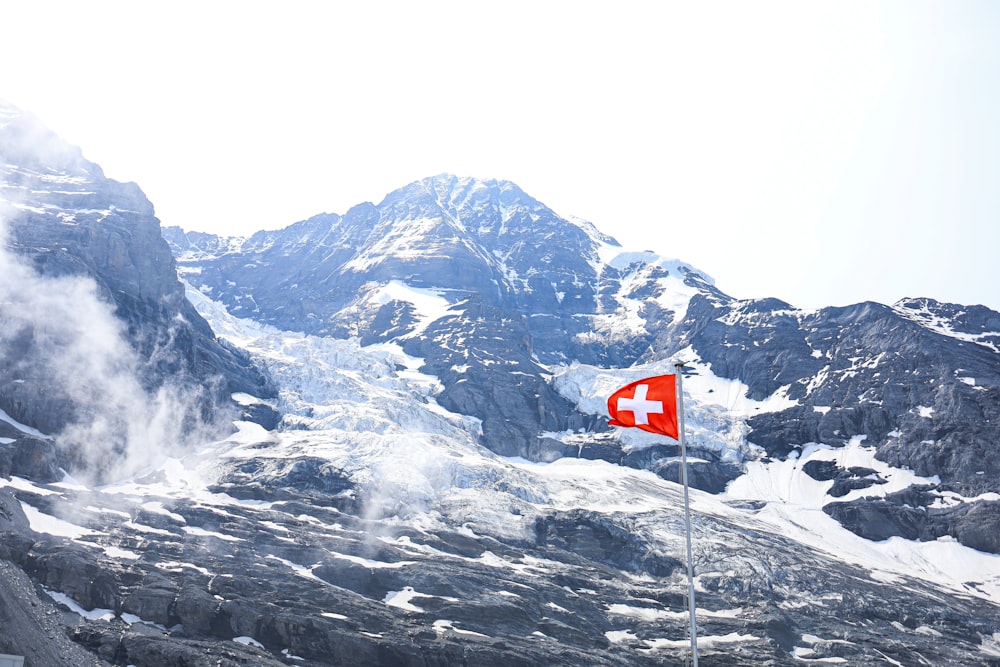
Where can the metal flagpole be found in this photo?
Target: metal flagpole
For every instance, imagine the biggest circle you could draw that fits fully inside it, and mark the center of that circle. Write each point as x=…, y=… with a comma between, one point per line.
x=687, y=508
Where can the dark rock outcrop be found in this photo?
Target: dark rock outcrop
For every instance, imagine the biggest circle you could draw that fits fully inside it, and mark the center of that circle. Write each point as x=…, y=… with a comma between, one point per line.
x=917, y=513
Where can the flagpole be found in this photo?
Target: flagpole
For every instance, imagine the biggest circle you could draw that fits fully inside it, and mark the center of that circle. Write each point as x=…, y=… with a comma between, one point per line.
x=687, y=509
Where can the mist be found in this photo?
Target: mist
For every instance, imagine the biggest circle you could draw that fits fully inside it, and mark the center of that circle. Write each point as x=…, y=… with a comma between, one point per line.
x=60, y=341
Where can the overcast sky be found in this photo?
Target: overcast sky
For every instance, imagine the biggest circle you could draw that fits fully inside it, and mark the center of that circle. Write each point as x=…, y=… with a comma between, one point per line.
x=821, y=152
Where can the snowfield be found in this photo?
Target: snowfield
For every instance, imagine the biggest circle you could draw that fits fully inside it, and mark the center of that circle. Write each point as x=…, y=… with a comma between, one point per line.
x=352, y=405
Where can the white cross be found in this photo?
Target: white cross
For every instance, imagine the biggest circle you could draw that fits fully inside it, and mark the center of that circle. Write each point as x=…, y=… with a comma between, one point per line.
x=639, y=406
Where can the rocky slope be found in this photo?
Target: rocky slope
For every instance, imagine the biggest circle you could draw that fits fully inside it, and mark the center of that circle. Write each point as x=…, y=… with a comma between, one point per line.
x=73, y=240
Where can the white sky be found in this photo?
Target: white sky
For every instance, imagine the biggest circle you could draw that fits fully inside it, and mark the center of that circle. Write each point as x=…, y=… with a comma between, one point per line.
x=821, y=152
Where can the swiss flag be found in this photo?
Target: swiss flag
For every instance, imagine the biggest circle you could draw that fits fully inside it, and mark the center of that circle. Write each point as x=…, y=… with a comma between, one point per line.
x=649, y=404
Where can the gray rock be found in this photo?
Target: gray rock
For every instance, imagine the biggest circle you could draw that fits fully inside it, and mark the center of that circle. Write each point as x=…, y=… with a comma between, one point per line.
x=77, y=222
x=32, y=458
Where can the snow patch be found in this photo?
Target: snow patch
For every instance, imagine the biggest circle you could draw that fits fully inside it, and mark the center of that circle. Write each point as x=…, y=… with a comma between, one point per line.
x=22, y=427
x=441, y=626
x=46, y=523
x=201, y=532
x=429, y=304
x=401, y=599
x=248, y=641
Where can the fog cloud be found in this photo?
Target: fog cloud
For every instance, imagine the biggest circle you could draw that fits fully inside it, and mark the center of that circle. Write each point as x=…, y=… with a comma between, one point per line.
x=57, y=334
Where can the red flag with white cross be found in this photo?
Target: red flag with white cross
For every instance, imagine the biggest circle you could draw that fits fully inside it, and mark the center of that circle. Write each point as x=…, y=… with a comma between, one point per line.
x=649, y=404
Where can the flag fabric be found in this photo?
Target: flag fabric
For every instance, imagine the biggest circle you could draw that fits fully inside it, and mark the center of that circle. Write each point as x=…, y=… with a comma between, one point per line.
x=649, y=404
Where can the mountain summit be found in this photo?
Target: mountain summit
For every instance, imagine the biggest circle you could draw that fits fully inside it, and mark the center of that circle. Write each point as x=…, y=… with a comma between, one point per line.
x=480, y=280
x=469, y=238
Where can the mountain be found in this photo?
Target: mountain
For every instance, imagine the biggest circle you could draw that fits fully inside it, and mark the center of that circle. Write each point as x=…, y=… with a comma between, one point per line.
x=505, y=283
x=82, y=241
x=473, y=277
x=419, y=471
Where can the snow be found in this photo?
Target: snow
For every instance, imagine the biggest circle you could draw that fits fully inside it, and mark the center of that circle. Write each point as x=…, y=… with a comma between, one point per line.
x=46, y=523
x=369, y=563
x=715, y=408
x=338, y=385
x=350, y=404
x=633, y=270
x=618, y=636
x=21, y=427
x=336, y=617
x=143, y=528
x=804, y=653
x=706, y=387
x=951, y=499
x=401, y=599
x=991, y=645
x=794, y=508
x=246, y=400
x=370, y=413
x=201, y=532
x=95, y=614
x=300, y=570
x=22, y=484
x=400, y=239
x=620, y=258
x=942, y=325
x=572, y=483
x=440, y=626
x=177, y=566
x=429, y=304
x=118, y=552
x=703, y=642
x=652, y=614
x=156, y=507
x=248, y=641
x=801, y=654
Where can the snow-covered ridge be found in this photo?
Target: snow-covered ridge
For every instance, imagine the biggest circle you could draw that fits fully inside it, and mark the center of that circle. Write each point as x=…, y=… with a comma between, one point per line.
x=466, y=234
x=617, y=257
x=941, y=324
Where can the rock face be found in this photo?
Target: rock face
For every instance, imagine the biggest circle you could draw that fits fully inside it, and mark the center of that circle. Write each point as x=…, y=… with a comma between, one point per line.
x=64, y=219
x=918, y=381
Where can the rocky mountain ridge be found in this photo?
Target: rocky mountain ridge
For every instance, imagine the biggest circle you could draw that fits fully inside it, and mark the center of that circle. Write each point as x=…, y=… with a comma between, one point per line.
x=919, y=380
x=63, y=219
